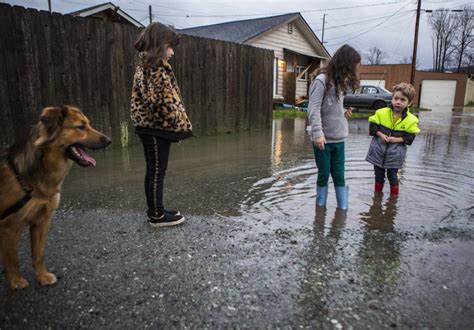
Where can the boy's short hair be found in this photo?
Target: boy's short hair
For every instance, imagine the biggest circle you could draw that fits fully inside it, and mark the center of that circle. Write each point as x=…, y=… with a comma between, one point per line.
x=406, y=89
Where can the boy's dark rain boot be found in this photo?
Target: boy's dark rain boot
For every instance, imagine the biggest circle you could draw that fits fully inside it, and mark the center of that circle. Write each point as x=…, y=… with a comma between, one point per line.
x=394, y=190
x=378, y=187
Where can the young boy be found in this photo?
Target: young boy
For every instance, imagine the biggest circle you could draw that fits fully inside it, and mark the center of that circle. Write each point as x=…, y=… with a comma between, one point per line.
x=393, y=129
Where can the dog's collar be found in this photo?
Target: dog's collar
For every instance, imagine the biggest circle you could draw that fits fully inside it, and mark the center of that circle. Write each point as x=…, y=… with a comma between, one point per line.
x=22, y=201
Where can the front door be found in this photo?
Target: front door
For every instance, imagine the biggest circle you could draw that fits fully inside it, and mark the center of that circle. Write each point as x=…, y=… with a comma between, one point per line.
x=289, y=87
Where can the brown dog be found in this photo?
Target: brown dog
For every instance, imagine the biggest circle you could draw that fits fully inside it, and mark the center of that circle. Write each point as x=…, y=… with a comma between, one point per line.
x=31, y=175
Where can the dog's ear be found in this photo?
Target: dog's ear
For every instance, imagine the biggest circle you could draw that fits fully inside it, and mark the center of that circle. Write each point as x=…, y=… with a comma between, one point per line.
x=52, y=117
x=51, y=121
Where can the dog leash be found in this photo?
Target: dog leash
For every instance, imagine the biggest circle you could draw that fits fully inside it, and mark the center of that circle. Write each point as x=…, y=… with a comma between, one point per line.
x=22, y=201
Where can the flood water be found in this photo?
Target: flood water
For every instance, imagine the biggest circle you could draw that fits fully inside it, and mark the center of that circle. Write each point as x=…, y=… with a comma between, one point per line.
x=272, y=174
x=436, y=181
x=254, y=251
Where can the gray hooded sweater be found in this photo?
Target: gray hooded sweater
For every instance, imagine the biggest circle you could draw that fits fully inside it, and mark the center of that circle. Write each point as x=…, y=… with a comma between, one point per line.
x=326, y=112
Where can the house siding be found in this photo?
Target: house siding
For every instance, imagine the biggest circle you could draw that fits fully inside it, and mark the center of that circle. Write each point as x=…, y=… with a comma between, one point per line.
x=391, y=73
x=278, y=39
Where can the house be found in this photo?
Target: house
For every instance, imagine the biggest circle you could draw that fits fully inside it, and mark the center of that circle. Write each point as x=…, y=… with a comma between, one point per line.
x=433, y=89
x=297, y=49
x=107, y=12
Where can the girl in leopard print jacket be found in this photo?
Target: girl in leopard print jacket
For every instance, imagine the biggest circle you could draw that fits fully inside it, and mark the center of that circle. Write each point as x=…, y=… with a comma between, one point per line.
x=158, y=114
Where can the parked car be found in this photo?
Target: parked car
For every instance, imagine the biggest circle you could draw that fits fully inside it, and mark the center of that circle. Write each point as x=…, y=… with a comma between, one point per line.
x=369, y=97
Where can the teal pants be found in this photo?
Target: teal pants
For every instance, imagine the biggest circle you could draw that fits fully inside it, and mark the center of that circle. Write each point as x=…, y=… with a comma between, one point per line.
x=330, y=161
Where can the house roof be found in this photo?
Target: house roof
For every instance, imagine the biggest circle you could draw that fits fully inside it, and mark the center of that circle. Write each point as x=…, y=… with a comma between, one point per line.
x=246, y=30
x=238, y=31
x=89, y=11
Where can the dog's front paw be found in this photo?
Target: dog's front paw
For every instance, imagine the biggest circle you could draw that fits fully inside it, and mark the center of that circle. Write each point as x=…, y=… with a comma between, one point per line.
x=18, y=283
x=47, y=279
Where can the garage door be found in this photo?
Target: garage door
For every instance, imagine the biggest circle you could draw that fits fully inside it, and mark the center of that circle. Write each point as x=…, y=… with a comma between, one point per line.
x=373, y=82
x=437, y=93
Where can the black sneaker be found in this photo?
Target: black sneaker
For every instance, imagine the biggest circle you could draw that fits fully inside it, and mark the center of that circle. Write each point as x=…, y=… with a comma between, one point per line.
x=166, y=220
x=172, y=212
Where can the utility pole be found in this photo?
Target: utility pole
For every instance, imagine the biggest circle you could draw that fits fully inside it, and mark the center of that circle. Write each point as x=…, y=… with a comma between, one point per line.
x=322, y=35
x=149, y=12
x=415, y=43
x=49, y=6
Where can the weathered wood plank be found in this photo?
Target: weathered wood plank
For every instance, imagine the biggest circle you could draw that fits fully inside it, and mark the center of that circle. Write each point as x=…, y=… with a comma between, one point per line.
x=53, y=59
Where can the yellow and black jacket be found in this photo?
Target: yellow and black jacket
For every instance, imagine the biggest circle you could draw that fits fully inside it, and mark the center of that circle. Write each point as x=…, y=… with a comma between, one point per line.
x=391, y=155
x=157, y=107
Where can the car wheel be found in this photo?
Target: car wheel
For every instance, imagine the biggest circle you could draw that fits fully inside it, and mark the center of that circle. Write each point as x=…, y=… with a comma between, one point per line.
x=379, y=104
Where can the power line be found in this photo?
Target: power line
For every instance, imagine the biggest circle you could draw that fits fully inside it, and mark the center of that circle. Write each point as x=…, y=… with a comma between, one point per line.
x=268, y=14
x=402, y=36
x=376, y=18
x=370, y=29
x=166, y=21
x=399, y=17
x=144, y=18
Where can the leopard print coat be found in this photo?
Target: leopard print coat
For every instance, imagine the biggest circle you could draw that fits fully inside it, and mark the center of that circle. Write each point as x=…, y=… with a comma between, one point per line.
x=156, y=99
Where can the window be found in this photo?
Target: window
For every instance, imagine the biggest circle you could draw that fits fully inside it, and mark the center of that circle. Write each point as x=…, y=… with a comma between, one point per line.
x=369, y=90
x=299, y=70
x=290, y=28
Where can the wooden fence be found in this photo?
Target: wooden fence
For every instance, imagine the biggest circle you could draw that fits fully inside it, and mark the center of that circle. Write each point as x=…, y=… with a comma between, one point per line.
x=59, y=59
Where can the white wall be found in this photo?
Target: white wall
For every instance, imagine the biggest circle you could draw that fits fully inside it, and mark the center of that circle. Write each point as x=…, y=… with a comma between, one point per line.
x=278, y=39
x=469, y=91
x=437, y=93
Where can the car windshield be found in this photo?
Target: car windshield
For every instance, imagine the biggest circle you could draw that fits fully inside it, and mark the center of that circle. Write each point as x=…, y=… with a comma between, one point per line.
x=385, y=90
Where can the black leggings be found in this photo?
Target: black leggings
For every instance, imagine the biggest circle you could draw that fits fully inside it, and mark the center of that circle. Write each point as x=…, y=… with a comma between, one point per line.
x=157, y=152
x=392, y=174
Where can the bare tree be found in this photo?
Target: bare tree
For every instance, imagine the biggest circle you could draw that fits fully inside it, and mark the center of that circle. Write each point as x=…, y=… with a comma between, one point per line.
x=407, y=60
x=470, y=59
x=375, y=55
x=444, y=26
x=464, y=36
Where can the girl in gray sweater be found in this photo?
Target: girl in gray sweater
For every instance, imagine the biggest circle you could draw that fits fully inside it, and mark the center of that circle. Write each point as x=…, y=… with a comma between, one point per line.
x=328, y=126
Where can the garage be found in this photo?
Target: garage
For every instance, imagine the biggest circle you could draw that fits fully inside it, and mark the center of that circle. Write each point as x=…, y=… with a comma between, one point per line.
x=437, y=93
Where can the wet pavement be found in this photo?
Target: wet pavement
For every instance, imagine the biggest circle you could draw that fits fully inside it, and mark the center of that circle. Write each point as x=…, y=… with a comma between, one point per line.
x=255, y=252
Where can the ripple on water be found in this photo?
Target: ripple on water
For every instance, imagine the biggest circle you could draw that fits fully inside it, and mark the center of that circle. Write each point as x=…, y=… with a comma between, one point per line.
x=436, y=180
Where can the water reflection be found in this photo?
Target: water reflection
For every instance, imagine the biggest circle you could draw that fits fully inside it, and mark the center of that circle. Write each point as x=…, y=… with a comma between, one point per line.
x=448, y=134
x=277, y=141
x=323, y=272
x=439, y=164
x=272, y=173
x=289, y=142
x=268, y=179
x=379, y=253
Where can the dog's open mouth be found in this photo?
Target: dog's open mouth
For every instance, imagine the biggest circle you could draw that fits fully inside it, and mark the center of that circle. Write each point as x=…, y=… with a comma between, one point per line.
x=78, y=154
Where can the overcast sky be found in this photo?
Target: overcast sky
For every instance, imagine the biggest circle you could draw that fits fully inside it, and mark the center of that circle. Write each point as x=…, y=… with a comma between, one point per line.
x=388, y=25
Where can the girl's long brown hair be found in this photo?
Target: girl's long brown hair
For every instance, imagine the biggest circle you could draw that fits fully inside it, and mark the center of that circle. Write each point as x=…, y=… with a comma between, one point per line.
x=154, y=40
x=341, y=70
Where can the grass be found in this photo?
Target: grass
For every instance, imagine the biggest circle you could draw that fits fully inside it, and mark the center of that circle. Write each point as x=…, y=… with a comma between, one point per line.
x=470, y=104
x=294, y=113
x=361, y=114
x=289, y=113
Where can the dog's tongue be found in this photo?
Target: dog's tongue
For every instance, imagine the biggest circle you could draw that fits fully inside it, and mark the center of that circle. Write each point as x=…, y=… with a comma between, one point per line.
x=86, y=158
